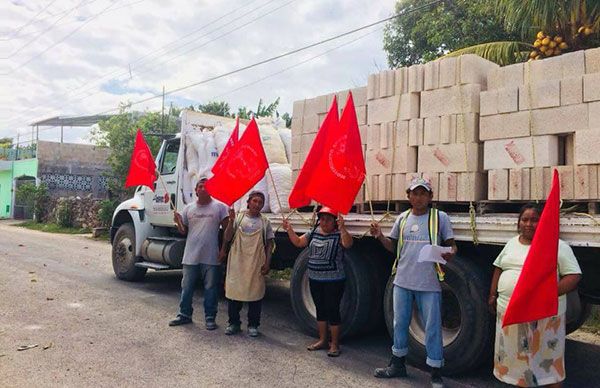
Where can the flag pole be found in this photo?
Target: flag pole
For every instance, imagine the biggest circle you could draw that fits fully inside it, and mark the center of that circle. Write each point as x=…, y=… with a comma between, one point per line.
x=276, y=194
x=166, y=190
x=369, y=200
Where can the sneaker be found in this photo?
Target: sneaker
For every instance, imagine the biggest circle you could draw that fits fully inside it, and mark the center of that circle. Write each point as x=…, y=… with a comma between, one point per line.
x=232, y=329
x=253, y=331
x=180, y=320
x=210, y=324
x=436, y=378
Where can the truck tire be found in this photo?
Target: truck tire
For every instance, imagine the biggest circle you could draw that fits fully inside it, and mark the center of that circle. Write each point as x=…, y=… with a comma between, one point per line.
x=467, y=326
x=355, y=303
x=578, y=311
x=123, y=255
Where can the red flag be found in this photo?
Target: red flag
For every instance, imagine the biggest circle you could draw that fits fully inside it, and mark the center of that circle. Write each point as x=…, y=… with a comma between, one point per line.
x=244, y=166
x=536, y=294
x=341, y=169
x=142, y=169
x=233, y=139
x=298, y=197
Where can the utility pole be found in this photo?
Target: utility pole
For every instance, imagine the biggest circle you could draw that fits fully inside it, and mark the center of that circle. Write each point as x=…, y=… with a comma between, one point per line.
x=162, y=119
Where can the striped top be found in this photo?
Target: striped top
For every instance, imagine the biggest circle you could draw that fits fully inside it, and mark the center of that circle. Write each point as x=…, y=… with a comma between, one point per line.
x=325, y=257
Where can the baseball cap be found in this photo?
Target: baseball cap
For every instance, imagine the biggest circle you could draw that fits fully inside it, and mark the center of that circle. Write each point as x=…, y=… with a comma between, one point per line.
x=328, y=210
x=419, y=181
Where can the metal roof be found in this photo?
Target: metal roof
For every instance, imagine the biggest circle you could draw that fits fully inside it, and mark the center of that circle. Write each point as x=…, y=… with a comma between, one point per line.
x=76, y=121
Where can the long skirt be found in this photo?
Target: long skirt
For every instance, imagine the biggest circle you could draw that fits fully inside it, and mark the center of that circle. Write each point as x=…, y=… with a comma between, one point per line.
x=530, y=354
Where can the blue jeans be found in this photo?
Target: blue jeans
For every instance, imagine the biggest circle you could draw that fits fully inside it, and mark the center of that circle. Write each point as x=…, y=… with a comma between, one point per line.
x=430, y=307
x=211, y=277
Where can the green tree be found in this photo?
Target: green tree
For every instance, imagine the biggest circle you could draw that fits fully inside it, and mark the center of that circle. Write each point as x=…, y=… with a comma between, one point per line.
x=118, y=133
x=552, y=27
x=6, y=142
x=218, y=108
x=428, y=34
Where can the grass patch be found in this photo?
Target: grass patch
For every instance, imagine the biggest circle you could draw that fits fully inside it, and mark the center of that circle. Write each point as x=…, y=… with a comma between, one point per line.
x=52, y=228
x=281, y=274
x=592, y=324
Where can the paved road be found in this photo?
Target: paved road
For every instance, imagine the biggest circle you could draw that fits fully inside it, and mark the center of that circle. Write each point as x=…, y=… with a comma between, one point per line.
x=60, y=290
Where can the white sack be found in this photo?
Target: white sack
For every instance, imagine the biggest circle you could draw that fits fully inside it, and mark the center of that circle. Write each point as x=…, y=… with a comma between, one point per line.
x=286, y=138
x=282, y=181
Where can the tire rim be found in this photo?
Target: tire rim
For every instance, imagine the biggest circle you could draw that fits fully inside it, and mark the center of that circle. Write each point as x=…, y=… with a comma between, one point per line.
x=451, y=319
x=307, y=299
x=124, y=251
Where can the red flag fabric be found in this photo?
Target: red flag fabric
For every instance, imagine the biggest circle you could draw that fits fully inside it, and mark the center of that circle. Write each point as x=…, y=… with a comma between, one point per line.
x=142, y=169
x=244, y=166
x=233, y=139
x=298, y=196
x=536, y=294
x=341, y=169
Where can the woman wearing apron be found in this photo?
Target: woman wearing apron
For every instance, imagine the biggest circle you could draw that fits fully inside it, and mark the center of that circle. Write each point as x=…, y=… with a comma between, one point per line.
x=248, y=262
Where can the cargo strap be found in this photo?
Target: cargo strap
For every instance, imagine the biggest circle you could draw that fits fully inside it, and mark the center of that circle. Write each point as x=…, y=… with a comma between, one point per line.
x=434, y=228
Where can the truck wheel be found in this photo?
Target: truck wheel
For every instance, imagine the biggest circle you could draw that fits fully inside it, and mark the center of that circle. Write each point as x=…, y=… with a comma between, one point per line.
x=355, y=303
x=467, y=326
x=123, y=255
x=578, y=311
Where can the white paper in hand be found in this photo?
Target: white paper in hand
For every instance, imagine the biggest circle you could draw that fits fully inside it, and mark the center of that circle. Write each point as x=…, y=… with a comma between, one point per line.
x=433, y=253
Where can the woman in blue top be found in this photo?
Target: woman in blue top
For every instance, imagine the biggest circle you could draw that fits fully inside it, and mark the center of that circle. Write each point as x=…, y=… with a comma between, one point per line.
x=325, y=273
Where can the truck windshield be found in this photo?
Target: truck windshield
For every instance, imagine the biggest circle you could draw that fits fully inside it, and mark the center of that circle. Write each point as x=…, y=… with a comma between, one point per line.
x=169, y=160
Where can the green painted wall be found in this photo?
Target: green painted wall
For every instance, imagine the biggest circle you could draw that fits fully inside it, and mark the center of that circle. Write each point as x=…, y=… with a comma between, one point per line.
x=27, y=167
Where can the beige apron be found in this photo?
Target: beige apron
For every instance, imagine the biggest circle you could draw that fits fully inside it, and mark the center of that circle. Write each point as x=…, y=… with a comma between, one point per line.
x=244, y=282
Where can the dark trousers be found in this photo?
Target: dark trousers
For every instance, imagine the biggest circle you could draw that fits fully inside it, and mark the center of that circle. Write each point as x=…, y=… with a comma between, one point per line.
x=327, y=297
x=254, y=308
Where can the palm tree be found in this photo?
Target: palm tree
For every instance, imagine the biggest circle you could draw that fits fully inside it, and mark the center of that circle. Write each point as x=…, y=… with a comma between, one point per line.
x=556, y=25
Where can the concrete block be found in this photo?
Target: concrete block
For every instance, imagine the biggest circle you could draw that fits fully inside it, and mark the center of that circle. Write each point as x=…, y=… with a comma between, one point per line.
x=382, y=190
x=547, y=69
x=467, y=128
x=504, y=126
x=592, y=60
x=572, y=64
x=591, y=87
x=498, y=185
x=560, y=120
x=409, y=106
x=372, y=187
x=447, y=127
x=508, y=99
x=518, y=182
x=310, y=123
x=295, y=176
x=488, y=103
x=415, y=78
x=361, y=114
x=495, y=79
x=401, y=130
x=398, y=187
x=364, y=134
x=594, y=114
x=456, y=99
x=306, y=142
x=448, y=186
x=431, y=75
x=297, y=125
x=321, y=118
x=586, y=182
x=296, y=143
x=471, y=186
x=566, y=176
x=386, y=133
x=450, y=158
x=571, y=91
x=448, y=72
x=569, y=149
x=314, y=106
x=331, y=96
x=539, y=179
x=298, y=109
x=360, y=196
x=373, y=137
x=543, y=94
x=434, y=178
x=415, y=132
x=507, y=76
x=387, y=161
x=431, y=131
x=474, y=70
x=386, y=83
x=401, y=80
x=373, y=87
x=587, y=146
x=359, y=95
x=383, y=110
x=296, y=161
x=342, y=98
x=518, y=152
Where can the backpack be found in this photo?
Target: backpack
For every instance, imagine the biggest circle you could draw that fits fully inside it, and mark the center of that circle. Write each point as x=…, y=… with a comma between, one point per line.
x=434, y=228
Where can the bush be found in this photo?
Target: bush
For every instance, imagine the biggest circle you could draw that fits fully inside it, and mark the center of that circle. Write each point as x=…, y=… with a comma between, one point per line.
x=64, y=213
x=105, y=213
x=34, y=197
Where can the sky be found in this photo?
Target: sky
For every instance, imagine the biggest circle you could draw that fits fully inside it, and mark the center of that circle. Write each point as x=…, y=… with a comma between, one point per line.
x=85, y=57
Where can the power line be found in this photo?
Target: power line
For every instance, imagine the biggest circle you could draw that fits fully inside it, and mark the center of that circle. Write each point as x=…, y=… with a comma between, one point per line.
x=16, y=31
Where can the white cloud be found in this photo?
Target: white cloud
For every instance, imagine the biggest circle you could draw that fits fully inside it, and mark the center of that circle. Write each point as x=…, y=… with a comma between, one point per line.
x=80, y=75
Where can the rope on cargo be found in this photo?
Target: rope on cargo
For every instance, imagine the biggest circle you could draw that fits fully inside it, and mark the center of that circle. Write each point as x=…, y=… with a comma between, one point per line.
x=538, y=194
x=472, y=218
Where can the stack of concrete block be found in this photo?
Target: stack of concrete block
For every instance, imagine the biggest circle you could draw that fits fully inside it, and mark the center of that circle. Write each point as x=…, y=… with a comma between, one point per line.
x=307, y=117
x=541, y=115
x=447, y=130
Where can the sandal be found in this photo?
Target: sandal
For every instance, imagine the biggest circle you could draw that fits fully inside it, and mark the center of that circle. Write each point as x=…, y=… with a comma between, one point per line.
x=316, y=346
x=334, y=353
